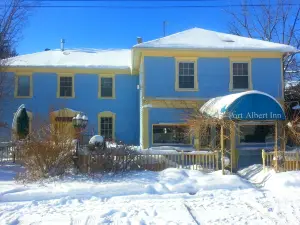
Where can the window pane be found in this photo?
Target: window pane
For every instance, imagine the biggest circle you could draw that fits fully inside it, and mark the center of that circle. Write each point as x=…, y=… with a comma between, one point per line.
x=106, y=87
x=186, y=81
x=170, y=134
x=66, y=86
x=23, y=86
x=240, y=82
x=106, y=125
x=186, y=75
x=205, y=139
x=256, y=133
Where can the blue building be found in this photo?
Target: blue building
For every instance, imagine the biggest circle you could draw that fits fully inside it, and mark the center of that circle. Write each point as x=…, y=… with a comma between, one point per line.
x=140, y=95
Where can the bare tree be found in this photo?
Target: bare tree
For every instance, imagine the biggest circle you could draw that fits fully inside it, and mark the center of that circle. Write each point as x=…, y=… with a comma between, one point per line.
x=13, y=16
x=271, y=21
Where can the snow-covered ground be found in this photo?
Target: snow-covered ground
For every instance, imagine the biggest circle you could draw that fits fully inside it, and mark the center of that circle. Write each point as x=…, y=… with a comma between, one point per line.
x=173, y=196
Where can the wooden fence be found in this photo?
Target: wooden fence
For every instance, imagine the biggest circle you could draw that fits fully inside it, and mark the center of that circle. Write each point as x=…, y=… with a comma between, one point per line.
x=9, y=153
x=287, y=161
x=154, y=162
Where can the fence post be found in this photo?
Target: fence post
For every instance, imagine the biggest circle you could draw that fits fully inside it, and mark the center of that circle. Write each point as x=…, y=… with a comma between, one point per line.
x=217, y=160
x=182, y=159
x=297, y=159
x=263, y=154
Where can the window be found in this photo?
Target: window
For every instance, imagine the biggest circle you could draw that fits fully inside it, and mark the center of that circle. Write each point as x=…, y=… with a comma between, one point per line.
x=256, y=133
x=241, y=75
x=170, y=134
x=205, y=139
x=65, y=86
x=23, y=86
x=186, y=75
x=106, y=86
x=107, y=124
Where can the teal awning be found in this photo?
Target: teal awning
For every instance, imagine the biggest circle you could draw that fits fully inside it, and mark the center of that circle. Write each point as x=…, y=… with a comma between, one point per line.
x=248, y=105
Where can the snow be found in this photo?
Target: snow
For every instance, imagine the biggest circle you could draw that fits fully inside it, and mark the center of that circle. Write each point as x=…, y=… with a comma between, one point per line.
x=296, y=107
x=76, y=58
x=216, y=107
x=96, y=139
x=172, y=196
x=201, y=39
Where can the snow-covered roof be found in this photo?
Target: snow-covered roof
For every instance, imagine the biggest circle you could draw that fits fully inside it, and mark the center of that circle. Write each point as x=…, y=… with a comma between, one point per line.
x=76, y=58
x=197, y=38
x=223, y=107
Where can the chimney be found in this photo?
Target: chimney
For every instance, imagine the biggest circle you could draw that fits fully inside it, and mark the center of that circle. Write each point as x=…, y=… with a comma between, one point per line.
x=139, y=40
x=62, y=44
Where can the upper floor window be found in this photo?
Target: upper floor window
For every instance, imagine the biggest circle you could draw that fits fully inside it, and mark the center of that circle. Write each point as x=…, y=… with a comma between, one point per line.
x=240, y=75
x=106, y=86
x=186, y=75
x=23, y=86
x=66, y=86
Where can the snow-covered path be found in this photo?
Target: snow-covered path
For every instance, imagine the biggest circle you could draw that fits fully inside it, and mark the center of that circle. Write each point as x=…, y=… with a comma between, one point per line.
x=169, y=197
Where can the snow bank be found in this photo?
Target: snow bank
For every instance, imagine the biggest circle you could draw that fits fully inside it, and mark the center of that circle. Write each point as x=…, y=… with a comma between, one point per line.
x=169, y=181
x=283, y=182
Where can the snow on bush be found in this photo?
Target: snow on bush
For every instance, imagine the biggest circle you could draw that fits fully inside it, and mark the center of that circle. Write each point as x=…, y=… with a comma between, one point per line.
x=96, y=139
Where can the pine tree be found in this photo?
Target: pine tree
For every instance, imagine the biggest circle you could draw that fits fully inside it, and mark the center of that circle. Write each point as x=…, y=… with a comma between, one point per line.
x=23, y=124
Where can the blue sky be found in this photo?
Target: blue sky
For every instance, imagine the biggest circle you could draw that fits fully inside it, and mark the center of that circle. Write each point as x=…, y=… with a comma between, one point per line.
x=115, y=28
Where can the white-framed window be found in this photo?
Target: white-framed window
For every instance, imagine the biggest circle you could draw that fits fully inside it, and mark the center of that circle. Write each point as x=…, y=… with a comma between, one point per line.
x=240, y=74
x=186, y=74
x=23, y=86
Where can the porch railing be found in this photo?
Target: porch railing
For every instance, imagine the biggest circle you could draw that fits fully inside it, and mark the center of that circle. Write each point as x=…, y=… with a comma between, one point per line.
x=287, y=161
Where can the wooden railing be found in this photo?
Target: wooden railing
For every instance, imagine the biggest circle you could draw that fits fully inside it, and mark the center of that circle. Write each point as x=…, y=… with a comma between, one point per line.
x=286, y=161
x=155, y=161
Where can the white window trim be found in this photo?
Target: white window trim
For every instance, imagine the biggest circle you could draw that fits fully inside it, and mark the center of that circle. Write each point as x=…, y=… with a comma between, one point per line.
x=241, y=60
x=186, y=60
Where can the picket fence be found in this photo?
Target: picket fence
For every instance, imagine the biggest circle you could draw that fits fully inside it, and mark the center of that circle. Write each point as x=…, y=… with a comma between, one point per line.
x=287, y=161
x=154, y=162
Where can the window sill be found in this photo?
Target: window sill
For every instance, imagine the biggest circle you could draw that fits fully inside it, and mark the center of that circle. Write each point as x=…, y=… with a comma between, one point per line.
x=239, y=90
x=66, y=97
x=23, y=96
x=187, y=89
x=107, y=98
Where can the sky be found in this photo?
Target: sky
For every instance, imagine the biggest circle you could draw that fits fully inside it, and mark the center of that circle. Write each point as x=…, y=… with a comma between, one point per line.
x=115, y=27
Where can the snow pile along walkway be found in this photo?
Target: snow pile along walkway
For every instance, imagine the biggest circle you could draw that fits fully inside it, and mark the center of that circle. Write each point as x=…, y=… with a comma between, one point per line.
x=173, y=196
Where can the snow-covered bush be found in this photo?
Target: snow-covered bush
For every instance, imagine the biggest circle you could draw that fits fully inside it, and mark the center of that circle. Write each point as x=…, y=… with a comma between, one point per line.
x=46, y=152
x=96, y=140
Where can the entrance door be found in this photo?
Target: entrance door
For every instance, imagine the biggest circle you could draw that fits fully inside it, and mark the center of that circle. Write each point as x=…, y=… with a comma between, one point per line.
x=252, y=138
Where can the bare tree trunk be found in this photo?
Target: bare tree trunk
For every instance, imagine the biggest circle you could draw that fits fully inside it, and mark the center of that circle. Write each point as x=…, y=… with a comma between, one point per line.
x=13, y=17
